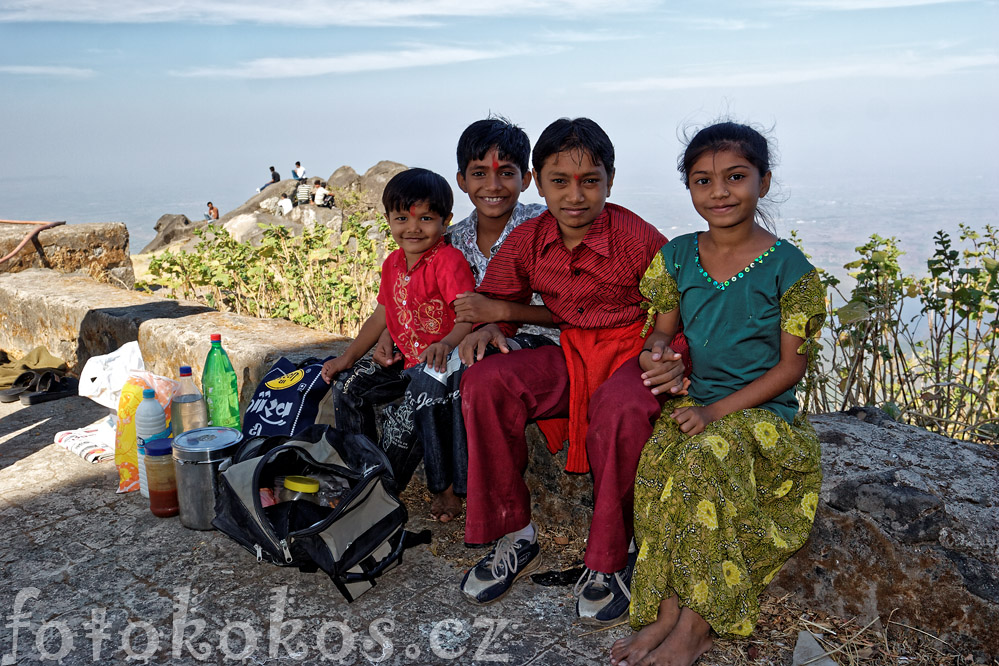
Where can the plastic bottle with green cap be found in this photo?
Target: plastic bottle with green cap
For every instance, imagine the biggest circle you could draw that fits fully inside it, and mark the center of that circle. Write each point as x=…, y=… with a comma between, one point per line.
x=220, y=384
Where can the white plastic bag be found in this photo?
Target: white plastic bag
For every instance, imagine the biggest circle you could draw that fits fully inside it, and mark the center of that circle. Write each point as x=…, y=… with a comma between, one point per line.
x=103, y=376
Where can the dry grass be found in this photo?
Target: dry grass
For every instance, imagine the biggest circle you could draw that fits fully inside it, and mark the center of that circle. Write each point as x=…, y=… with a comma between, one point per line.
x=883, y=642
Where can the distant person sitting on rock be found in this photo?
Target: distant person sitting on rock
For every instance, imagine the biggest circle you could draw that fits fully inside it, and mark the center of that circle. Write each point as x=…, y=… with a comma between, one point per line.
x=212, y=213
x=285, y=205
x=303, y=193
x=275, y=177
x=298, y=172
x=320, y=193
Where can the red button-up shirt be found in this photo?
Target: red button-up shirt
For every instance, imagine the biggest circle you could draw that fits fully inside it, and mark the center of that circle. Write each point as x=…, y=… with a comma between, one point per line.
x=595, y=285
x=419, y=302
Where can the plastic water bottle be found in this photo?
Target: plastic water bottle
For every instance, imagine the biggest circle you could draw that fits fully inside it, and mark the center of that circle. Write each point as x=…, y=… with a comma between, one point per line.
x=221, y=387
x=150, y=424
x=187, y=409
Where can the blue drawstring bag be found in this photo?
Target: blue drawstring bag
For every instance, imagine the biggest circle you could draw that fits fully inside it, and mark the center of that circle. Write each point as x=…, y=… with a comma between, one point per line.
x=287, y=399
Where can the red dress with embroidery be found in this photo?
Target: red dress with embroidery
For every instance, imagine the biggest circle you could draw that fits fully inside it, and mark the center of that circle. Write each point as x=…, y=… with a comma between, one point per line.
x=419, y=302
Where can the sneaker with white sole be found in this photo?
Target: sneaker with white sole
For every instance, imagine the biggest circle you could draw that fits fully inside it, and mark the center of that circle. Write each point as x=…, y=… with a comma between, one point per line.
x=496, y=573
x=604, y=598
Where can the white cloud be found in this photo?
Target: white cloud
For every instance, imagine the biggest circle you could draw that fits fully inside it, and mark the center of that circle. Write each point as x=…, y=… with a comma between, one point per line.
x=904, y=66
x=859, y=5
x=726, y=24
x=414, y=56
x=47, y=70
x=316, y=13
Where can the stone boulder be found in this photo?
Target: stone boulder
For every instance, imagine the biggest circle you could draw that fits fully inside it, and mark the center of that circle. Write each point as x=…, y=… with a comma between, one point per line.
x=374, y=180
x=172, y=229
x=907, y=527
x=253, y=204
x=99, y=250
x=345, y=178
x=246, y=227
x=309, y=216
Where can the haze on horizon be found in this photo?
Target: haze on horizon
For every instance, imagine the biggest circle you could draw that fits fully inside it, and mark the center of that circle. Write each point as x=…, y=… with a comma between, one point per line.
x=199, y=98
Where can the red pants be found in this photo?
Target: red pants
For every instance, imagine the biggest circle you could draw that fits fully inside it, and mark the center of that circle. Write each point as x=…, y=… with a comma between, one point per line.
x=501, y=393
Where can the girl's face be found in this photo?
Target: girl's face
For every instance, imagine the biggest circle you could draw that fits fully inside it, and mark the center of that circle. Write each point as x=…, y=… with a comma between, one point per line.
x=725, y=188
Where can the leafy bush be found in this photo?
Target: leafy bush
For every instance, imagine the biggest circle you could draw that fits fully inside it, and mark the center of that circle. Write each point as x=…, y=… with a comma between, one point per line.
x=318, y=279
x=922, y=349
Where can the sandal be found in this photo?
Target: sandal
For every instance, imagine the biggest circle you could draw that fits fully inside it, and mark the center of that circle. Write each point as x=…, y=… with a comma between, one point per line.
x=50, y=387
x=26, y=381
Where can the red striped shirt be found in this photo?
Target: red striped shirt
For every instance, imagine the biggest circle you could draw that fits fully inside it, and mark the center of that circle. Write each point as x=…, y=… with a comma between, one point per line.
x=595, y=285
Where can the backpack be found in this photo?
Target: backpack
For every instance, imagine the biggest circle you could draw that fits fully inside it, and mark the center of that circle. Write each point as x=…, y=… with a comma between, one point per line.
x=354, y=542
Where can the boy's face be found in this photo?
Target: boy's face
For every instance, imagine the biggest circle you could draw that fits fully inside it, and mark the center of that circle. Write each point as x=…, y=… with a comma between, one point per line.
x=493, y=185
x=574, y=188
x=416, y=230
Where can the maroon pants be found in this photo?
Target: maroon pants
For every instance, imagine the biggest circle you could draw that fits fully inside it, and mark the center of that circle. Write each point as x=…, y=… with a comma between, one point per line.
x=501, y=393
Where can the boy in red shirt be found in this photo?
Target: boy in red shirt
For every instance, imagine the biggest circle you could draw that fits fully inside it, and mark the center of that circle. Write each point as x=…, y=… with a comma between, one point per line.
x=419, y=284
x=585, y=258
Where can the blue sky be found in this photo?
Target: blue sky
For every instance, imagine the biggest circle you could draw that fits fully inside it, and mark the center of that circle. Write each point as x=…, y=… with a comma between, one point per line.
x=184, y=101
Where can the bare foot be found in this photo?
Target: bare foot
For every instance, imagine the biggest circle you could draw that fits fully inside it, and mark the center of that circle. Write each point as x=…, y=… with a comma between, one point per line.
x=445, y=506
x=690, y=638
x=631, y=649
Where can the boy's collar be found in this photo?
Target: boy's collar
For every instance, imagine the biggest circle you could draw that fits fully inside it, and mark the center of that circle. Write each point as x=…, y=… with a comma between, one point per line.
x=426, y=256
x=596, y=238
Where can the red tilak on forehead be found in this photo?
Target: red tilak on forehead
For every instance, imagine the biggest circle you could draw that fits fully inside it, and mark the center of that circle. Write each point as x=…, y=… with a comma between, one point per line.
x=576, y=176
x=495, y=165
x=412, y=210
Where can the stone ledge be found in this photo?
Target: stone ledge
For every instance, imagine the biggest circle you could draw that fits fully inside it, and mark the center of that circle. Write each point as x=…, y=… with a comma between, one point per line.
x=76, y=317
x=99, y=250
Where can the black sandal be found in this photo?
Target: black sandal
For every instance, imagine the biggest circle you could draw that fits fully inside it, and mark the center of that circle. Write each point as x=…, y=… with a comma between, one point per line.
x=50, y=387
x=26, y=381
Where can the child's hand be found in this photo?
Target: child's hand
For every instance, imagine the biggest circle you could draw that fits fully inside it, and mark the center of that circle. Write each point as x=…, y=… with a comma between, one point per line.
x=435, y=356
x=475, y=308
x=473, y=346
x=663, y=370
x=333, y=367
x=385, y=353
x=693, y=420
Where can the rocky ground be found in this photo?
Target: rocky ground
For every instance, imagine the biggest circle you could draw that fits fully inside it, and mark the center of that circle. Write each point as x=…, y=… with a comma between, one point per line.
x=89, y=576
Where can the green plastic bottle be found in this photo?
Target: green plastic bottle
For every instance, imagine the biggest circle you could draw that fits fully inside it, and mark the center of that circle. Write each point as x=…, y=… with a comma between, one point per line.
x=220, y=385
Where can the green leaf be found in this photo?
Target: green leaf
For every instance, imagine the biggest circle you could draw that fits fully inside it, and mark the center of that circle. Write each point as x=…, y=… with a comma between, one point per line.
x=852, y=312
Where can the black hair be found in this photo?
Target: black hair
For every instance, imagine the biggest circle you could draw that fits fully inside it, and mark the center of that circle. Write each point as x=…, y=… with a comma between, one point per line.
x=747, y=141
x=209, y=203
x=272, y=168
x=480, y=137
x=413, y=186
x=577, y=134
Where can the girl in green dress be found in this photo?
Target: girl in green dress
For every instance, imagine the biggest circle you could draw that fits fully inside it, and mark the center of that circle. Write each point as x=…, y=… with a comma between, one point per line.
x=727, y=486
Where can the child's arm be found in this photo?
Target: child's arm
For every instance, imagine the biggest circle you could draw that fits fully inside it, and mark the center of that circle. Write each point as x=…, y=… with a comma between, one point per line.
x=365, y=340
x=435, y=356
x=475, y=308
x=788, y=372
x=662, y=367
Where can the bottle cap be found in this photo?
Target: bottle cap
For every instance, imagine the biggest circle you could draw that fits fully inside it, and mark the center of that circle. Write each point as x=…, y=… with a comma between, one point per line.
x=216, y=337
x=159, y=447
x=185, y=370
x=301, y=484
x=148, y=393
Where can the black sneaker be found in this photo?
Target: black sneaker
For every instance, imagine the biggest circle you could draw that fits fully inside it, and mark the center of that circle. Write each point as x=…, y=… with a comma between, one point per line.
x=604, y=598
x=496, y=573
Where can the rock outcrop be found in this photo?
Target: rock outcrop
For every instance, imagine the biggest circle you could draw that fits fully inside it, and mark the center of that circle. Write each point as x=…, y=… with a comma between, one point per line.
x=345, y=178
x=99, y=250
x=374, y=180
x=176, y=232
x=171, y=229
x=907, y=527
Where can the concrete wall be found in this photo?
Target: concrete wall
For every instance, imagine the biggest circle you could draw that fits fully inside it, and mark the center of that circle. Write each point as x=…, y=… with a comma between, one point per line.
x=75, y=318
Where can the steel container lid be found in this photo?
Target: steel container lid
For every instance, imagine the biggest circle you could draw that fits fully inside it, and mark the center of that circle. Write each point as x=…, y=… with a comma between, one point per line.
x=209, y=444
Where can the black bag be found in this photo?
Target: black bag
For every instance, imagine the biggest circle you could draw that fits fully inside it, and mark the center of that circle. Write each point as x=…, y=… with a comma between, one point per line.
x=287, y=399
x=353, y=542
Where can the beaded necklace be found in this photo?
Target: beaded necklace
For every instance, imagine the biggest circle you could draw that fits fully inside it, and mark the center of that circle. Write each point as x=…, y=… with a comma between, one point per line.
x=722, y=285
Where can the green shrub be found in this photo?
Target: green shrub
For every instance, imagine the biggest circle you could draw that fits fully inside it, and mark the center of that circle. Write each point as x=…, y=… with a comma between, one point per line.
x=316, y=279
x=921, y=349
